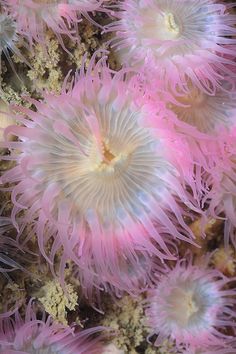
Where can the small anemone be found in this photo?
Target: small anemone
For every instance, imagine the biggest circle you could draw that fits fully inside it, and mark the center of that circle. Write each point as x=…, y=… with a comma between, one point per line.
x=31, y=335
x=177, y=40
x=208, y=113
x=34, y=17
x=193, y=306
x=98, y=170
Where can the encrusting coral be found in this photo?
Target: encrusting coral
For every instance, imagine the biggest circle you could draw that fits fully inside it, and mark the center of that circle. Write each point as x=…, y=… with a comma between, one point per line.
x=224, y=260
x=128, y=323
x=56, y=301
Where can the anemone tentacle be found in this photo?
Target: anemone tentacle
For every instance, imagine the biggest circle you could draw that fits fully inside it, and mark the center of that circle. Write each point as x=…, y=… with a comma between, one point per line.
x=31, y=335
x=33, y=17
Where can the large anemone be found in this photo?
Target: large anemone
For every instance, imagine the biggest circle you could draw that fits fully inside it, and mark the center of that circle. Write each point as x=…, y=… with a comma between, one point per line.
x=178, y=41
x=101, y=172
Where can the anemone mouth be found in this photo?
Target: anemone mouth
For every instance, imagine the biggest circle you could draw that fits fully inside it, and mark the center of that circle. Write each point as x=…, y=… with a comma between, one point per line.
x=190, y=303
x=171, y=24
x=160, y=27
x=194, y=98
x=108, y=163
x=187, y=305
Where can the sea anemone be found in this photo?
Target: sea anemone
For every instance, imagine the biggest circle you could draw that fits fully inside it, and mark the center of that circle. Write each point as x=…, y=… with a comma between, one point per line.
x=192, y=306
x=98, y=170
x=43, y=336
x=208, y=113
x=33, y=17
x=178, y=41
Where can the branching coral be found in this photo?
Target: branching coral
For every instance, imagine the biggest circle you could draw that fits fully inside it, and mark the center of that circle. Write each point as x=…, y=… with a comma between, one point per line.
x=128, y=323
x=192, y=306
x=101, y=173
x=56, y=301
x=178, y=41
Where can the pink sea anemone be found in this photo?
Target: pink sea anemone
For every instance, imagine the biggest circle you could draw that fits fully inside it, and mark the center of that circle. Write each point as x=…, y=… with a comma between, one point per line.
x=193, y=306
x=178, y=41
x=43, y=336
x=33, y=17
x=98, y=170
x=208, y=113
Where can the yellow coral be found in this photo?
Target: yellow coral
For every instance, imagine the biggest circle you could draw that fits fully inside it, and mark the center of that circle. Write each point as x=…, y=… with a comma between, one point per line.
x=56, y=301
x=128, y=320
x=224, y=260
x=166, y=348
x=46, y=71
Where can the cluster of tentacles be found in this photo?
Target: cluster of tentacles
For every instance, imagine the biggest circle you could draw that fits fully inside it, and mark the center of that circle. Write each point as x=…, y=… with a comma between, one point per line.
x=109, y=173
